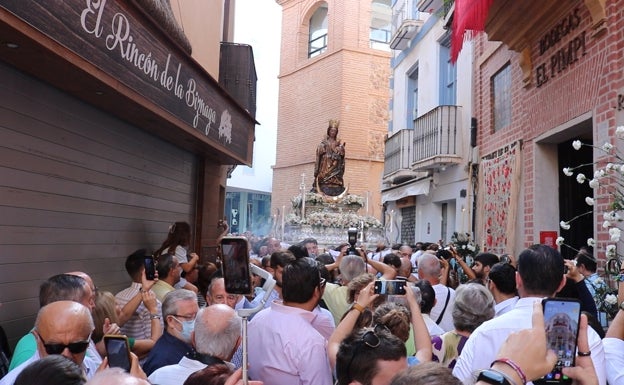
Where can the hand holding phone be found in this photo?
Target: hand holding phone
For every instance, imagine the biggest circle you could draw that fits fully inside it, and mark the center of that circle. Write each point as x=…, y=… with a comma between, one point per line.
x=561, y=321
x=118, y=351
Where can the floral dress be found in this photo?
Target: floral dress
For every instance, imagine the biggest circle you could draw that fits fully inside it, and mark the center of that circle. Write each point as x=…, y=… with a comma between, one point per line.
x=447, y=347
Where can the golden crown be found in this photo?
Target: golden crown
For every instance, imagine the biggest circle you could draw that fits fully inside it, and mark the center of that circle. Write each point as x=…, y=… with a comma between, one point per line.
x=334, y=123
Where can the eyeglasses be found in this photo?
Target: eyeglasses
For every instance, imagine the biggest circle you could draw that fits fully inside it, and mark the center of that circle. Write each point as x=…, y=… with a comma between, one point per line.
x=57, y=348
x=370, y=339
x=186, y=317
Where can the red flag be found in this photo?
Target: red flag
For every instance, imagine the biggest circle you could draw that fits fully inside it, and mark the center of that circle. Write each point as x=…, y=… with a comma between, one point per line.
x=470, y=16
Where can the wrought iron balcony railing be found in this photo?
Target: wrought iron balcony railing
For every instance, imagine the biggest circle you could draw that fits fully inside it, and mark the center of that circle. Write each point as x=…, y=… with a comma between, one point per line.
x=406, y=22
x=398, y=153
x=436, y=136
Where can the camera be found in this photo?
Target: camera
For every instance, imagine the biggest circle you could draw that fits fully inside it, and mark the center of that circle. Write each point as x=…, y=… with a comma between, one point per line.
x=352, y=233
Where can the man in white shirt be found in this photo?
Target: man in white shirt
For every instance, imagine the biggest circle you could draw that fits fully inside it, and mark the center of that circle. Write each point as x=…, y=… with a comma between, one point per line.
x=429, y=269
x=540, y=274
x=501, y=282
x=216, y=336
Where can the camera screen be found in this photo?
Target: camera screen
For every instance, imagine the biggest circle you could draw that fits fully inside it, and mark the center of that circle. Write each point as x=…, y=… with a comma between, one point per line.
x=236, y=266
x=561, y=319
x=396, y=287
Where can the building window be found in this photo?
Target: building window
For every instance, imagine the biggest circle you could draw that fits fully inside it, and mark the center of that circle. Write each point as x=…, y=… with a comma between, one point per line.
x=317, y=43
x=448, y=74
x=501, y=97
x=412, y=97
x=381, y=20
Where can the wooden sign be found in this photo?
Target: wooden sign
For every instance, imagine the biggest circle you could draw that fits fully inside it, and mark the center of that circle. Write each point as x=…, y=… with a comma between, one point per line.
x=116, y=37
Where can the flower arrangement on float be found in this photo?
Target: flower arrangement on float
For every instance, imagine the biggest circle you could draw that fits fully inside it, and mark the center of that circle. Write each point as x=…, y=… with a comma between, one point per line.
x=314, y=198
x=337, y=220
x=607, y=179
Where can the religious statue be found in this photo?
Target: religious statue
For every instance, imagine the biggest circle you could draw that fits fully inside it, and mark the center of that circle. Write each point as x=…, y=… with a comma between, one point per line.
x=330, y=163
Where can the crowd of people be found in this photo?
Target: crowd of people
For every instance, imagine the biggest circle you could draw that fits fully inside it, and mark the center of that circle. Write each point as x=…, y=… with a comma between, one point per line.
x=325, y=322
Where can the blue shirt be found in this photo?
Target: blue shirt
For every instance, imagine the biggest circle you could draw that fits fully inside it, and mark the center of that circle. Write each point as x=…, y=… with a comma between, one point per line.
x=168, y=350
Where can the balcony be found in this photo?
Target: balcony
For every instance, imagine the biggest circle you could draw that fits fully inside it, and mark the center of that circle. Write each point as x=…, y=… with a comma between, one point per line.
x=430, y=6
x=398, y=159
x=406, y=22
x=436, y=136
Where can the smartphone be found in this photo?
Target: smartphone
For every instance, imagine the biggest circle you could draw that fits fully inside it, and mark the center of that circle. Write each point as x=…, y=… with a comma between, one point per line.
x=235, y=265
x=561, y=317
x=118, y=351
x=394, y=287
x=150, y=268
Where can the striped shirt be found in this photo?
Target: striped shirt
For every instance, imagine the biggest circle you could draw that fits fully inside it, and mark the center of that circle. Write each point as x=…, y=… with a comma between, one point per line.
x=139, y=326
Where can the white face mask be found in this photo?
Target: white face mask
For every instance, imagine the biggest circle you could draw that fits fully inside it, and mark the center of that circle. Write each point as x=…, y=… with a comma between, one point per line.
x=187, y=328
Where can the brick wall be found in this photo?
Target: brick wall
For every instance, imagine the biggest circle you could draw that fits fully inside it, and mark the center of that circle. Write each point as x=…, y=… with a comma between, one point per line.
x=588, y=86
x=349, y=82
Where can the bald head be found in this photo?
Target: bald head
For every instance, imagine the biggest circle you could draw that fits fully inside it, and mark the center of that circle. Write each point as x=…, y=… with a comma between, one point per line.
x=217, y=331
x=115, y=376
x=63, y=323
x=89, y=288
x=429, y=268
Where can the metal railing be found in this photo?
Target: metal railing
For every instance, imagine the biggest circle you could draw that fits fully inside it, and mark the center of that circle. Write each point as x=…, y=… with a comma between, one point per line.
x=317, y=46
x=404, y=10
x=436, y=133
x=397, y=152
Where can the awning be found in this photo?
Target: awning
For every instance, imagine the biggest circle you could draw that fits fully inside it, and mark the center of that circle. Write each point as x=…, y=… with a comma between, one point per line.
x=420, y=187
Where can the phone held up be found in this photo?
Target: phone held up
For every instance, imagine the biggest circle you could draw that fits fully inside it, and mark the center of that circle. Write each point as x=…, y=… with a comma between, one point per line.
x=561, y=318
x=235, y=265
x=150, y=267
x=118, y=351
x=394, y=287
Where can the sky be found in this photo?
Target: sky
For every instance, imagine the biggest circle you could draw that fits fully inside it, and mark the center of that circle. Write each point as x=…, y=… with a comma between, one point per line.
x=258, y=23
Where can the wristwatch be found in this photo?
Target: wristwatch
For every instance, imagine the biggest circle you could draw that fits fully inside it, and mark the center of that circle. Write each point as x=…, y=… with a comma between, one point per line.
x=492, y=377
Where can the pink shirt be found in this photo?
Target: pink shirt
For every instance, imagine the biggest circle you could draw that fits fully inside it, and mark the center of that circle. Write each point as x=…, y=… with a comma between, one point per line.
x=286, y=349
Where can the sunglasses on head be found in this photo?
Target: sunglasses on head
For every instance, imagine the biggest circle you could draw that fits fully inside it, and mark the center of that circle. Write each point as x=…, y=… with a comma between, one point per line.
x=370, y=339
x=57, y=348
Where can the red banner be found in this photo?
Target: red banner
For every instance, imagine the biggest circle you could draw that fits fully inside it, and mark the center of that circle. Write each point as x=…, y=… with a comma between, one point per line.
x=470, y=16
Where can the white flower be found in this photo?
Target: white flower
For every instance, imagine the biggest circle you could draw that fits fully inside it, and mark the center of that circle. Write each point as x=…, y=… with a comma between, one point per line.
x=567, y=171
x=610, y=167
x=589, y=201
x=577, y=144
x=611, y=299
x=463, y=247
x=619, y=132
x=471, y=247
x=611, y=250
x=622, y=169
x=599, y=174
x=564, y=225
x=615, y=234
x=599, y=281
x=606, y=224
x=594, y=183
x=559, y=241
x=607, y=147
x=580, y=178
x=591, y=242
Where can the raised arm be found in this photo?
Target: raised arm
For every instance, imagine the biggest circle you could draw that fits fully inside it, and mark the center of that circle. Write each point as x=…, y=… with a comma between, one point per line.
x=345, y=327
x=422, y=339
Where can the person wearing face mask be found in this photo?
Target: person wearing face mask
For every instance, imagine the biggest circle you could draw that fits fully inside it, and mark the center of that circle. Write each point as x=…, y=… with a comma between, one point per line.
x=179, y=310
x=217, y=335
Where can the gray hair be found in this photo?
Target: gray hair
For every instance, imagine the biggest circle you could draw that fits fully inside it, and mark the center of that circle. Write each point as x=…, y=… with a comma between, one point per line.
x=429, y=265
x=218, y=343
x=351, y=266
x=170, y=303
x=474, y=305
